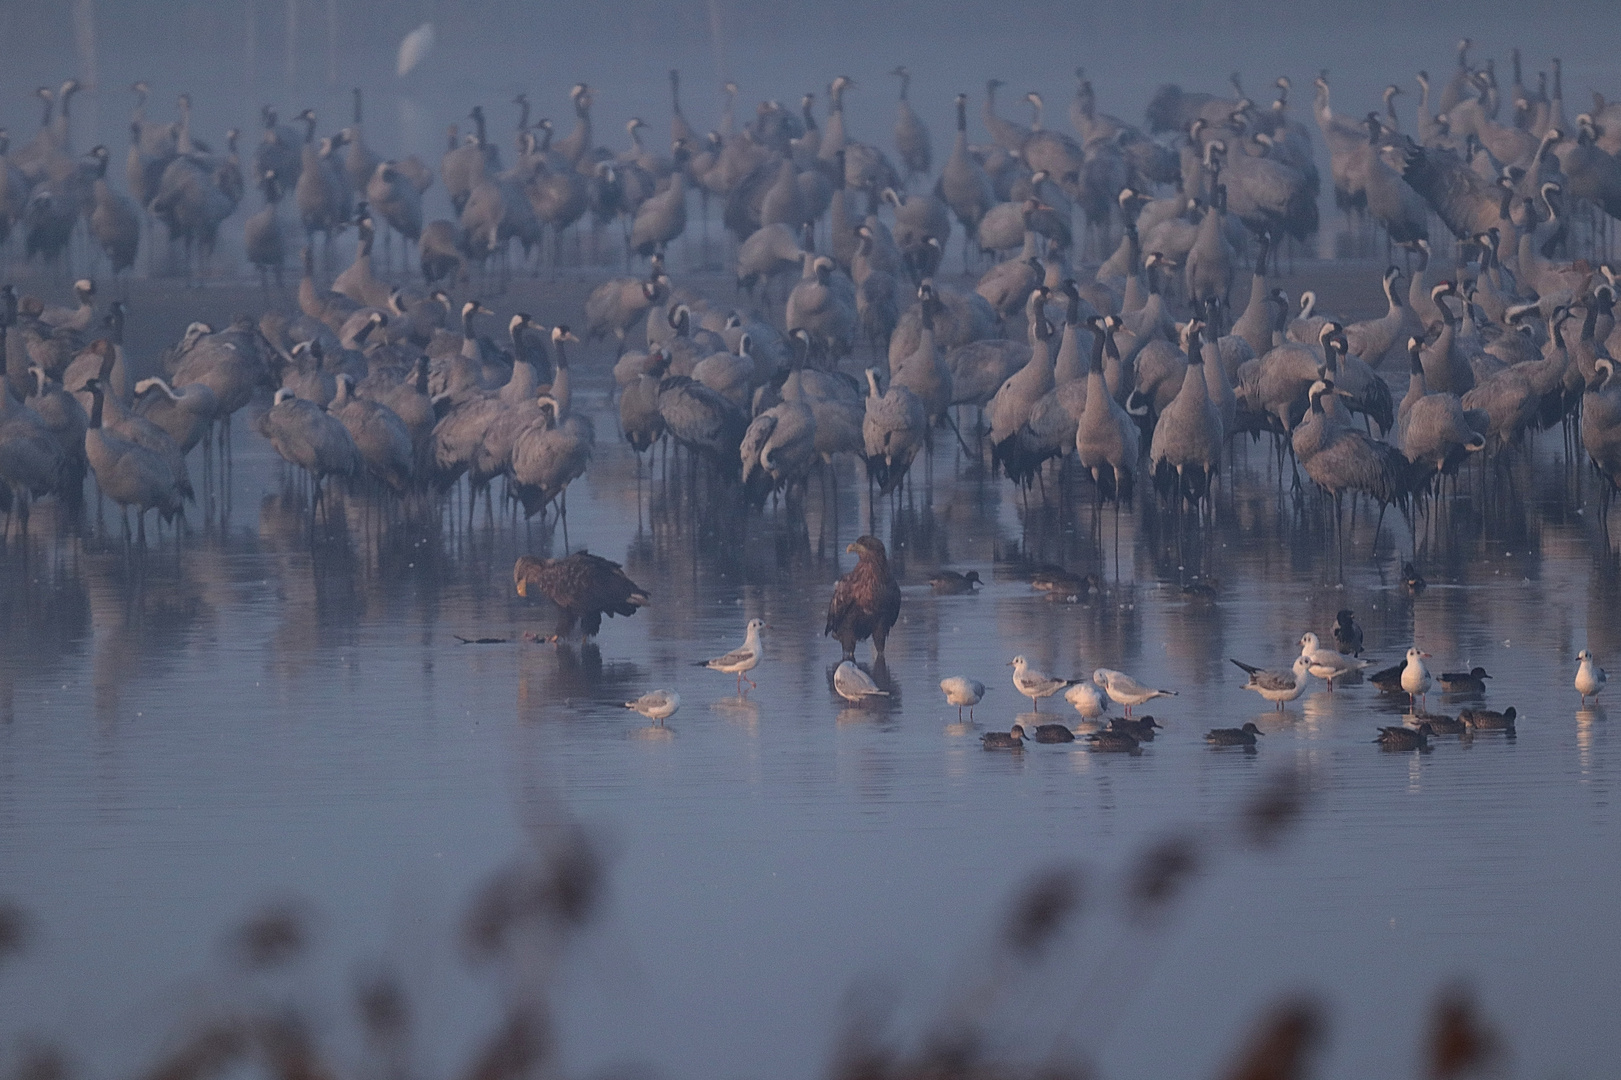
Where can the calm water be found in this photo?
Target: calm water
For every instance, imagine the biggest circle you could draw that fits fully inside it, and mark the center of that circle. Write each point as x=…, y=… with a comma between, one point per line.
x=189, y=733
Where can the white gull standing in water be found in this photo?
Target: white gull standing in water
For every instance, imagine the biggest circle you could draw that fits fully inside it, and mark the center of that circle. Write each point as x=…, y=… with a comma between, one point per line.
x=1590, y=678
x=658, y=705
x=1327, y=664
x=1034, y=684
x=1124, y=690
x=1278, y=686
x=739, y=660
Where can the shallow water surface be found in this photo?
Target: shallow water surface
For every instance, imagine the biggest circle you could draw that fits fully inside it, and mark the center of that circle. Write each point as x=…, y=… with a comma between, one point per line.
x=258, y=714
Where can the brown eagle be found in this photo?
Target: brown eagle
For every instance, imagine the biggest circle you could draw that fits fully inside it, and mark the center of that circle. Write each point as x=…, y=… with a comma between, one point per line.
x=584, y=586
x=866, y=601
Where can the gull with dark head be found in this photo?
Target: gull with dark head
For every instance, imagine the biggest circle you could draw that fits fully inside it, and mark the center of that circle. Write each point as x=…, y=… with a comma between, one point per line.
x=1277, y=686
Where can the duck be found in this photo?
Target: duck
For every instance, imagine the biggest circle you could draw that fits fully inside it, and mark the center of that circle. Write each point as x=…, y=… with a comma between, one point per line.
x=1404, y=738
x=1111, y=741
x=1445, y=725
x=962, y=692
x=1004, y=740
x=1053, y=733
x=1489, y=720
x=1590, y=678
x=1141, y=728
x=1412, y=580
x=1415, y=677
x=951, y=583
x=1464, y=682
x=1388, y=680
x=1239, y=736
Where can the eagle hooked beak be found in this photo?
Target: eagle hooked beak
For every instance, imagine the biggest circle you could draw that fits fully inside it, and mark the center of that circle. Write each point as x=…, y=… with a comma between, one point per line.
x=523, y=587
x=849, y=547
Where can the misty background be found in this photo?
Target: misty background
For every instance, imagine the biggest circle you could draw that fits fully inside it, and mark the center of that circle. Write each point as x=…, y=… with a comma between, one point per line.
x=236, y=55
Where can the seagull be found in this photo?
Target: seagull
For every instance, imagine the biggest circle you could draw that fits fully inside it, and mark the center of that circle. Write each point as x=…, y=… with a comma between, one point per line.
x=1087, y=699
x=1327, y=664
x=1004, y=740
x=1233, y=736
x=742, y=659
x=1415, y=677
x=1125, y=690
x=853, y=684
x=1590, y=678
x=658, y=705
x=962, y=692
x=1034, y=684
x=1278, y=686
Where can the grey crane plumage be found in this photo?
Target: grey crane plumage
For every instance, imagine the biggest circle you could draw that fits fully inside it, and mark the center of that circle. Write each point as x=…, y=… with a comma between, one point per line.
x=379, y=435
x=778, y=450
x=185, y=414
x=32, y=463
x=1107, y=440
x=702, y=421
x=911, y=135
x=821, y=308
x=549, y=454
x=964, y=185
x=263, y=241
x=310, y=438
x=115, y=222
x=893, y=431
x=923, y=371
x=127, y=472
x=1432, y=430
x=1185, y=451
x=1010, y=407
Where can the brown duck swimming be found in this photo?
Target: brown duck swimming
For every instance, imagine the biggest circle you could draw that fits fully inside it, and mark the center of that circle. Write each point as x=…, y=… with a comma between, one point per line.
x=1464, y=682
x=1231, y=736
x=951, y=583
x=1488, y=720
x=1113, y=742
x=1403, y=738
x=1004, y=740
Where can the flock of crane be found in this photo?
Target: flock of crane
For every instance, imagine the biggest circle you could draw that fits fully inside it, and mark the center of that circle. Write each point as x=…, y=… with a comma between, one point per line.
x=1103, y=325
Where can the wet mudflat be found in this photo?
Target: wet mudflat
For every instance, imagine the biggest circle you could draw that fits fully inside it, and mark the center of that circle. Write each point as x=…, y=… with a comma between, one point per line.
x=271, y=709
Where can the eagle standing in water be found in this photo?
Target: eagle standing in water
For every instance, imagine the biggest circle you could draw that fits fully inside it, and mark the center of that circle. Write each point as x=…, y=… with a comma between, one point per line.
x=866, y=601
x=586, y=587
